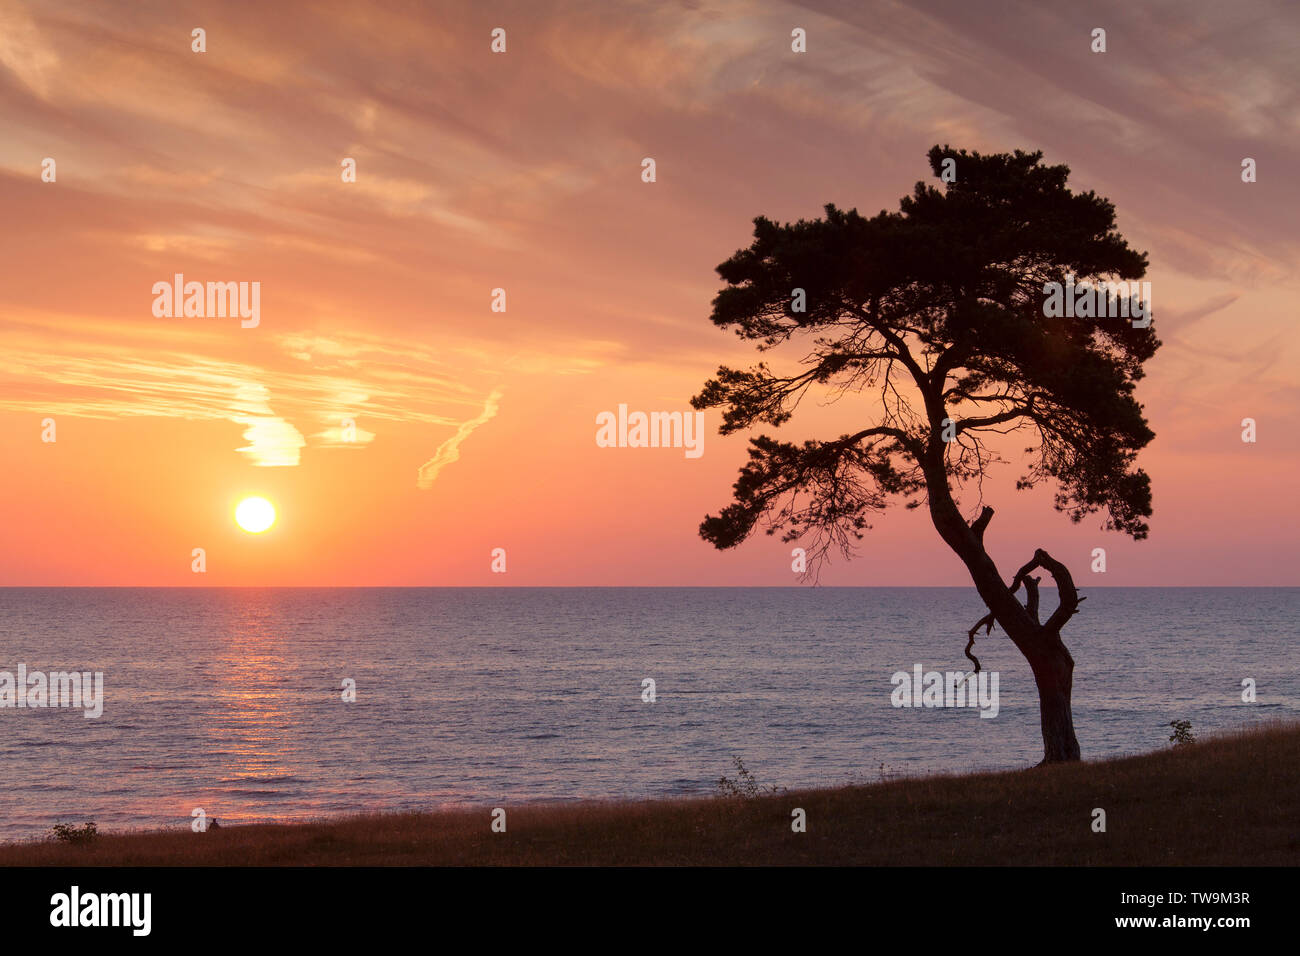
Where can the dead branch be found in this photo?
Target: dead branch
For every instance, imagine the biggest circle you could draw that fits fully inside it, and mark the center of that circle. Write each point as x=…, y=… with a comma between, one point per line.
x=1031, y=598
x=1069, y=594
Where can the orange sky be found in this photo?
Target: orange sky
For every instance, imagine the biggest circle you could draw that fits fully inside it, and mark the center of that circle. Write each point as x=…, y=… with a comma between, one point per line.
x=522, y=171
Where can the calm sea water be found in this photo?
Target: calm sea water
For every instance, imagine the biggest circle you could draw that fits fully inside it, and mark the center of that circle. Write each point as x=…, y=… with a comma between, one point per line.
x=230, y=700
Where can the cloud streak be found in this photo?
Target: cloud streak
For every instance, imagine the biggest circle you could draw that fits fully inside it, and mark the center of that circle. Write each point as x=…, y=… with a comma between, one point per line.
x=449, y=451
x=358, y=377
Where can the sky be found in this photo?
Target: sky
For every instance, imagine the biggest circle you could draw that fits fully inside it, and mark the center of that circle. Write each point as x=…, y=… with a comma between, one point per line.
x=474, y=428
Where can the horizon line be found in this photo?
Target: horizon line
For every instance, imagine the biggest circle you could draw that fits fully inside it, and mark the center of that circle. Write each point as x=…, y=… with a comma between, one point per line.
x=593, y=587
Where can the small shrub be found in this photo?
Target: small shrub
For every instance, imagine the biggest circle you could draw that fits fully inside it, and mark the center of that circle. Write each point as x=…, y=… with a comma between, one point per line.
x=67, y=833
x=1182, y=732
x=744, y=787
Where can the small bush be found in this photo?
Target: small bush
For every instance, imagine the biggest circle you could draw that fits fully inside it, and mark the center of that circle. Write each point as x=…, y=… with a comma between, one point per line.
x=744, y=787
x=1182, y=732
x=67, y=833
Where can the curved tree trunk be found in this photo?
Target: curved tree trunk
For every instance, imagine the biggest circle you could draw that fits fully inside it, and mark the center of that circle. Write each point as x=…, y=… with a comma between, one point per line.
x=1053, y=669
x=1039, y=642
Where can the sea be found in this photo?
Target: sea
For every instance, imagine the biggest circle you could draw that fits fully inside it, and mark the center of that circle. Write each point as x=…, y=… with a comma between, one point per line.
x=234, y=701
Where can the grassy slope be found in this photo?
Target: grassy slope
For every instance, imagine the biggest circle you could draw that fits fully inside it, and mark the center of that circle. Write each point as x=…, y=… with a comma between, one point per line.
x=1233, y=799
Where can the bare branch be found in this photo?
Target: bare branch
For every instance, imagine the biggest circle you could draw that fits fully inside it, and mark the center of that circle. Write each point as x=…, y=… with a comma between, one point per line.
x=985, y=622
x=1070, y=600
x=1031, y=598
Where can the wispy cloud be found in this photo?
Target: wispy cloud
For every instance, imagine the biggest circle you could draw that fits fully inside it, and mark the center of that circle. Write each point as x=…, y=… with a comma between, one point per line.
x=272, y=442
x=362, y=378
x=23, y=51
x=449, y=450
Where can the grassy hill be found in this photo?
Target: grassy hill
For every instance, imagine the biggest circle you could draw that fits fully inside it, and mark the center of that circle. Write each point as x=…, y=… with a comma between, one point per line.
x=1230, y=799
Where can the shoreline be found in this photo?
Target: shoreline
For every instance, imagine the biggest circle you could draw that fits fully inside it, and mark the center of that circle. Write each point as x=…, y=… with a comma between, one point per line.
x=1229, y=799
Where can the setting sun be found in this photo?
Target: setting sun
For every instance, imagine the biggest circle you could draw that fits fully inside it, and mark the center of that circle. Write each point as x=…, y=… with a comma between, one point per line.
x=255, y=515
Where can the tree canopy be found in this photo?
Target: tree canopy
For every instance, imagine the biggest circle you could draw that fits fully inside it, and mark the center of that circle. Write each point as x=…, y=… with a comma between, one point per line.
x=936, y=310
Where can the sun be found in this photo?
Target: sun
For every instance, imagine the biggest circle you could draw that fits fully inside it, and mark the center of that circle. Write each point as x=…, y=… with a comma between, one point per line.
x=255, y=515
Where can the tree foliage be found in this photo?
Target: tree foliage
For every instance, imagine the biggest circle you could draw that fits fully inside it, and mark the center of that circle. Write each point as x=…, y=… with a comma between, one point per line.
x=936, y=311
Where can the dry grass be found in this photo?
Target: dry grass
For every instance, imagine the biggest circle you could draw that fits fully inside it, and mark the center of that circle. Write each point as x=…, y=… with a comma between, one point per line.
x=1230, y=799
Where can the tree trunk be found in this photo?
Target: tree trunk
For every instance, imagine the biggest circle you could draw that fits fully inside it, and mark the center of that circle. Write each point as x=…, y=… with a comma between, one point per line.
x=1040, y=643
x=1053, y=669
